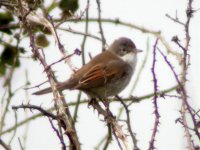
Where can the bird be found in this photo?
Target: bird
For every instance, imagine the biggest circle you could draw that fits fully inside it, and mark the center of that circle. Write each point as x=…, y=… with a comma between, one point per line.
x=106, y=74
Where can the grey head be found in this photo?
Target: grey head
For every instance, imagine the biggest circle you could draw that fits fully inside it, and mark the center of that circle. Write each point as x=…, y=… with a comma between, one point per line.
x=122, y=46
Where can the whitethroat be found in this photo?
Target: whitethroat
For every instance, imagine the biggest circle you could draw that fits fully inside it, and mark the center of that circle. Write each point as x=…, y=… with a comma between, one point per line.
x=107, y=74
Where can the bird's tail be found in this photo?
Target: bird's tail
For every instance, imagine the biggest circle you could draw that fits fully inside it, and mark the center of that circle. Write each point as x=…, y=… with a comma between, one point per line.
x=59, y=86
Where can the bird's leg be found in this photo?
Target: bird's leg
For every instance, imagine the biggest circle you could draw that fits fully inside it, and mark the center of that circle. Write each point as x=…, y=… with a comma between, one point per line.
x=92, y=101
x=98, y=107
x=106, y=113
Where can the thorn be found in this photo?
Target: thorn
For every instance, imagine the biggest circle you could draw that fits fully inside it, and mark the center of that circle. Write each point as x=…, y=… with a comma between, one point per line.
x=175, y=38
x=77, y=52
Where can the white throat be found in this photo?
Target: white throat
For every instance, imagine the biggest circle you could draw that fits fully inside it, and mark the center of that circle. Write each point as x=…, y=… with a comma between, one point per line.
x=131, y=59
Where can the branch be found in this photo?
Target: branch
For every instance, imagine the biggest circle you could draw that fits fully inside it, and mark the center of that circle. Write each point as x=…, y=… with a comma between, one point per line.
x=4, y=145
x=131, y=99
x=141, y=67
x=85, y=34
x=100, y=26
x=108, y=138
x=79, y=33
x=182, y=88
x=60, y=46
x=175, y=19
x=58, y=135
x=155, y=100
x=128, y=122
x=44, y=112
x=116, y=21
x=111, y=120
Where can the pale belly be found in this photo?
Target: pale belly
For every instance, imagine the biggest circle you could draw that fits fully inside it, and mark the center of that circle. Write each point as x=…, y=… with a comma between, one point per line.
x=111, y=89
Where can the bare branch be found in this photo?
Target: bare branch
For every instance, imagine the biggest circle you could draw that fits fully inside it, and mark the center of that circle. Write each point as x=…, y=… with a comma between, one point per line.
x=175, y=19
x=128, y=122
x=4, y=145
x=111, y=120
x=100, y=26
x=58, y=135
x=155, y=100
x=44, y=112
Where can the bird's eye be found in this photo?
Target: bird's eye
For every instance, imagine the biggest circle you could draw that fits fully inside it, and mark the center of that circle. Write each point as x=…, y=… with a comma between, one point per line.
x=123, y=50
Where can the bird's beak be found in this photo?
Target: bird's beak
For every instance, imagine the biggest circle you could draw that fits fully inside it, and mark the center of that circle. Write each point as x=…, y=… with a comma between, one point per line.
x=139, y=50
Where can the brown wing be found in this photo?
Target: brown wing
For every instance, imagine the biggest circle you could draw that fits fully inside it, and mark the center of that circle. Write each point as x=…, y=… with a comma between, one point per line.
x=102, y=74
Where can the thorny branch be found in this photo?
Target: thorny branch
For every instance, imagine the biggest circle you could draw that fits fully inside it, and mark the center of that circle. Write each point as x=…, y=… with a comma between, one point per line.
x=185, y=64
x=128, y=122
x=60, y=46
x=155, y=100
x=60, y=105
x=63, y=114
x=33, y=107
x=25, y=14
x=183, y=91
x=130, y=99
x=111, y=120
x=58, y=134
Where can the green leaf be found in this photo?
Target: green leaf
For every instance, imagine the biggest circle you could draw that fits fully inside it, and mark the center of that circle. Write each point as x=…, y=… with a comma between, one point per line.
x=17, y=64
x=8, y=55
x=69, y=6
x=41, y=40
x=8, y=31
x=2, y=69
x=22, y=50
x=5, y=19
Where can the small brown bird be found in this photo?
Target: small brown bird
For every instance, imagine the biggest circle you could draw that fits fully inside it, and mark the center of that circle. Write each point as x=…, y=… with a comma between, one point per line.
x=107, y=74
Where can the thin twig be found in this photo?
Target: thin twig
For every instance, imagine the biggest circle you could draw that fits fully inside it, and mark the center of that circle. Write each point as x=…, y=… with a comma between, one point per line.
x=108, y=138
x=155, y=100
x=75, y=18
x=70, y=30
x=100, y=26
x=60, y=46
x=111, y=120
x=66, y=57
x=4, y=145
x=15, y=131
x=77, y=106
x=58, y=135
x=141, y=68
x=25, y=136
x=20, y=144
x=128, y=122
x=85, y=36
x=36, y=86
x=118, y=142
x=184, y=93
x=175, y=19
x=157, y=34
x=185, y=105
x=44, y=112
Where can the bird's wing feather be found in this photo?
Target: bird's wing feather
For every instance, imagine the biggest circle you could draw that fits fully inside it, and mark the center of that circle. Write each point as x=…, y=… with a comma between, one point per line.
x=102, y=74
